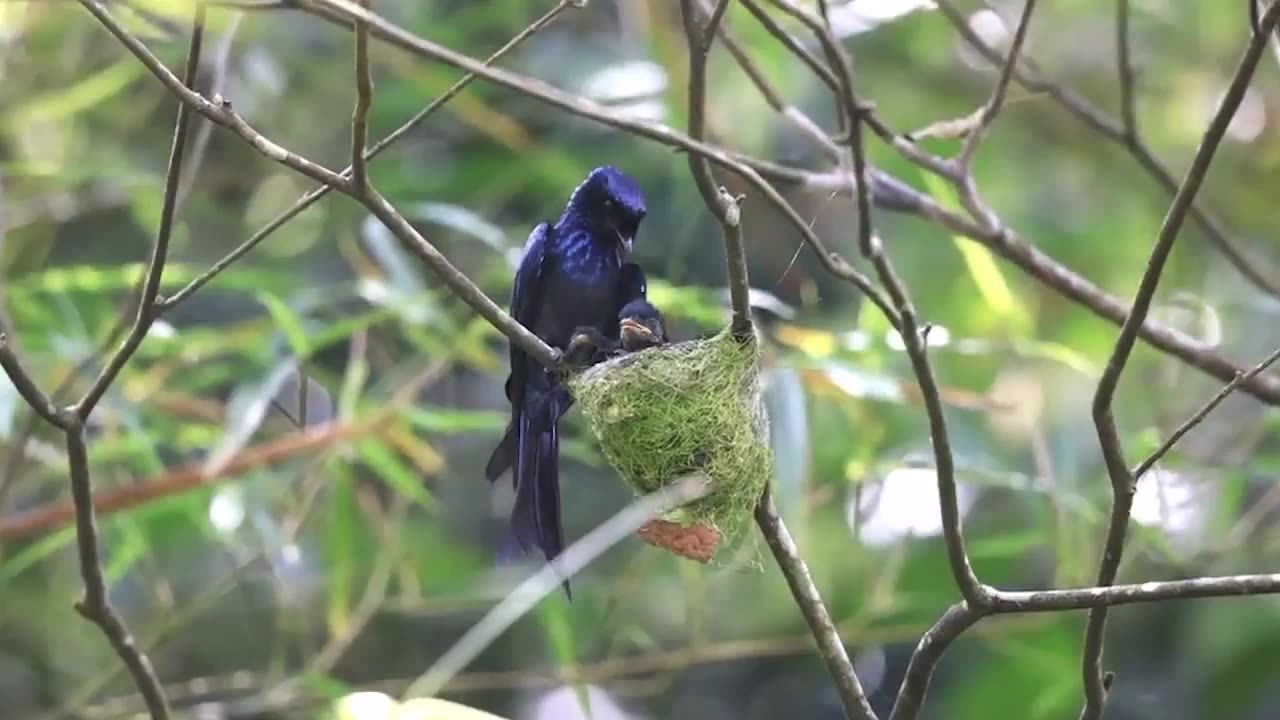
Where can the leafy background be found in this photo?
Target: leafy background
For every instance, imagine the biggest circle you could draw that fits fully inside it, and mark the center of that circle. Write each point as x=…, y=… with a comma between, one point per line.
x=356, y=562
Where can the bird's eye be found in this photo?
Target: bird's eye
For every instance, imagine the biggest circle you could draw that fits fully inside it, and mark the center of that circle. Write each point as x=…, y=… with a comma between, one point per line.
x=608, y=205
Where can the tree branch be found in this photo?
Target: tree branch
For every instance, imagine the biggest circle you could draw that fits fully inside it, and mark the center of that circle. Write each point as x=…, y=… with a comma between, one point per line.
x=95, y=606
x=583, y=107
x=27, y=388
x=1124, y=68
x=1122, y=480
x=718, y=200
x=160, y=251
x=1201, y=414
x=1114, y=130
x=364, y=99
x=310, y=198
x=221, y=113
x=796, y=572
x=993, y=106
x=924, y=659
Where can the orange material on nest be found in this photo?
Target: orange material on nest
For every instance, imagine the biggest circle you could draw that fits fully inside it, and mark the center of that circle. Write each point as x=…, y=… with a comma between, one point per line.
x=696, y=542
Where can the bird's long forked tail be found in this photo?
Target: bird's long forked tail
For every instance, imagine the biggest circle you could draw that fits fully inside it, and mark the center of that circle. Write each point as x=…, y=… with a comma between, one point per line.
x=535, y=519
x=504, y=455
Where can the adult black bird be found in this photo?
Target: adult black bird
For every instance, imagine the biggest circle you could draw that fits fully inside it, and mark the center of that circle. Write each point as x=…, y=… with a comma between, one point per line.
x=572, y=274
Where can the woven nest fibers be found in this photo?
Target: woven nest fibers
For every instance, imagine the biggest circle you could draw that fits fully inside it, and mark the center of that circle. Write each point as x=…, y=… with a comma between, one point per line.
x=692, y=407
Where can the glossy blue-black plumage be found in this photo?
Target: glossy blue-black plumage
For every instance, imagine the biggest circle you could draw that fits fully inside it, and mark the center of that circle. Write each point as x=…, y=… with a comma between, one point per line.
x=571, y=275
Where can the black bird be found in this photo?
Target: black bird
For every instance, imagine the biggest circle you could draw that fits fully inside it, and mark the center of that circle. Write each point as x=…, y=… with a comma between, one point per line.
x=572, y=274
x=640, y=326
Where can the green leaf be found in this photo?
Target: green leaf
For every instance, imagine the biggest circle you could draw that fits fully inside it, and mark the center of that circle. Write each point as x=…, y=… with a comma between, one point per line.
x=396, y=473
x=288, y=322
x=557, y=625
x=70, y=101
x=35, y=552
x=981, y=263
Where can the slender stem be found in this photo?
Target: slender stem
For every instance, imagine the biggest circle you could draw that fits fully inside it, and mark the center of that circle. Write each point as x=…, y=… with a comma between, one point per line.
x=160, y=251
x=312, y=196
x=364, y=99
x=1112, y=129
x=1202, y=413
x=26, y=386
x=806, y=595
x=924, y=660
x=1122, y=480
x=1124, y=68
x=95, y=606
x=718, y=200
x=993, y=106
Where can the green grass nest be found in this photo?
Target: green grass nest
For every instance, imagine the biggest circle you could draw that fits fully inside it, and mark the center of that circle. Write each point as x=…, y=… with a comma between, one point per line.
x=669, y=411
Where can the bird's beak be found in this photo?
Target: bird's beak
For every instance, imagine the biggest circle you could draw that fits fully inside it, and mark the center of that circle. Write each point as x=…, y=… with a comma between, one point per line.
x=634, y=332
x=625, y=241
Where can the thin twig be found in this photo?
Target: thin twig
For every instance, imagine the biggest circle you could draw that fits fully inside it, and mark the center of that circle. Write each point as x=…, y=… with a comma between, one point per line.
x=992, y=108
x=200, y=143
x=796, y=572
x=364, y=99
x=27, y=388
x=551, y=95
x=840, y=66
x=94, y=606
x=1124, y=68
x=1201, y=414
x=976, y=595
x=1114, y=130
x=311, y=197
x=718, y=200
x=220, y=112
x=1122, y=480
x=772, y=96
x=160, y=251
x=924, y=659
x=461, y=286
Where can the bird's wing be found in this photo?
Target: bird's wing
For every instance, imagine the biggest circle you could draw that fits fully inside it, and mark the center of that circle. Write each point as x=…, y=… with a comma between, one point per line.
x=526, y=298
x=632, y=285
x=526, y=295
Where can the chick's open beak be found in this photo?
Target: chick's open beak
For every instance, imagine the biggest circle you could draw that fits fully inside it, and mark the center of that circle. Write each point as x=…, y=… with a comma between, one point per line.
x=635, y=332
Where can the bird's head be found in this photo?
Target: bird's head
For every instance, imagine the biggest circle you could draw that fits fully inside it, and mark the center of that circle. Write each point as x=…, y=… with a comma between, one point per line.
x=640, y=326
x=610, y=203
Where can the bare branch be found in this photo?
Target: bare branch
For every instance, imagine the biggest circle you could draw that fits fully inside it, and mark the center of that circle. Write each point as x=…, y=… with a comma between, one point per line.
x=1122, y=480
x=535, y=88
x=796, y=572
x=27, y=388
x=1093, y=597
x=849, y=101
x=1201, y=414
x=95, y=606
x=993, y=105
x=925, y=658
x=458, y=282
x=364, y=98
x=1113, y=130
x=310, y=198
x=714, y=23
x=718, y=200
x=160, y=251
x=222, y=114
x=1124, y=68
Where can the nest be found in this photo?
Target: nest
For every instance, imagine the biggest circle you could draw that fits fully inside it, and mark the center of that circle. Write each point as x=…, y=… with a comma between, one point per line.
x=693, y=407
